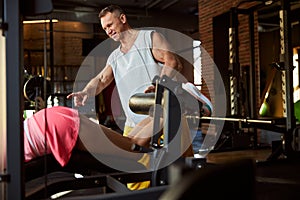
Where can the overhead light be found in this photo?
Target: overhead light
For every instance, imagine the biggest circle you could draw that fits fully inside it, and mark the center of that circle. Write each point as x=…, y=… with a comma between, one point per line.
x=268, y=2
x=40, y=21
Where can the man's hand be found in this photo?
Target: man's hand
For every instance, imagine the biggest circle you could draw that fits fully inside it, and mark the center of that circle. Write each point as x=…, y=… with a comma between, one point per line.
x=79, y=98
x=150, y=89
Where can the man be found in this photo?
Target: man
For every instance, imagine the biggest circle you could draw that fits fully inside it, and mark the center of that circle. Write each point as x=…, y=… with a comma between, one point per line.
x=142, y=55
x=132, y=65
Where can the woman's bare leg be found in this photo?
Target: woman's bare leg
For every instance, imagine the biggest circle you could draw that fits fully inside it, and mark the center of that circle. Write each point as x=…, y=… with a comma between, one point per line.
x=142, y=133
x=99, y=139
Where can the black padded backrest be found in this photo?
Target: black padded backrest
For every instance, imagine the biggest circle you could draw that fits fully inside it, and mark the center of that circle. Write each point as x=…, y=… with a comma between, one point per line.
x=80, y=162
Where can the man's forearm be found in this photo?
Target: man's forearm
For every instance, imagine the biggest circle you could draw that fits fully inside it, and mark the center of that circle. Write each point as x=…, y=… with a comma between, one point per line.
x=91, y=89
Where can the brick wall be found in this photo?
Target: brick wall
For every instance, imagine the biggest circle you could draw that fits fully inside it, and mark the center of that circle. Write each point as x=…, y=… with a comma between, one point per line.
x=67, y=51
x=67, y=41
x=207, y=11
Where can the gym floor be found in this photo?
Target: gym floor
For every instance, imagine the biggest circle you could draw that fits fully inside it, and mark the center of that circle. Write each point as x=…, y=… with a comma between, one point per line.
x=274, y=179
x=277, y=178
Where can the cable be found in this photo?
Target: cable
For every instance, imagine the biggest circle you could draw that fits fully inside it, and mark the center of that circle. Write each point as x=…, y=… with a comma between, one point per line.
x=45, y=113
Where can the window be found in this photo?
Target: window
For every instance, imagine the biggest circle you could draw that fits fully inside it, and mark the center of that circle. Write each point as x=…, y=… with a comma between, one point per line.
x=197, y=64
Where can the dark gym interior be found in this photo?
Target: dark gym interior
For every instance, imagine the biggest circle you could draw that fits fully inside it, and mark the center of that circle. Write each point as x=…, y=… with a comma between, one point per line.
x=249, y=148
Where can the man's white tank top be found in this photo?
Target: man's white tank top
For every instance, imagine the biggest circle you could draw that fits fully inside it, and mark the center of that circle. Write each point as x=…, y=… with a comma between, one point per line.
x=134, y=72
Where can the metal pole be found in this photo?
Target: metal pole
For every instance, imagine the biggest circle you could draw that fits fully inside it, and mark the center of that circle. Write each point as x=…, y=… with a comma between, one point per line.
x=14, y=75
x=286, y=59
x=234, y=69
x=252, y=90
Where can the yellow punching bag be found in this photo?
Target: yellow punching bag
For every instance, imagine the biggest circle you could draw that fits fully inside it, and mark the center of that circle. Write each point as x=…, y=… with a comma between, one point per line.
x=297, y=110
x=265, y=108
x=297, y=105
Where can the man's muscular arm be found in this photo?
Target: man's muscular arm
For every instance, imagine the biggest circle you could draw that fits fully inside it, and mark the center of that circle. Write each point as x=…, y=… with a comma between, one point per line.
x=94, y=86
x=162, y=53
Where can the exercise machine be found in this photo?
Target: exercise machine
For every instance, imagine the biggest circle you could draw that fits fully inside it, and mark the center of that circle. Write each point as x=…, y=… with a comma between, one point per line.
x=171, y=102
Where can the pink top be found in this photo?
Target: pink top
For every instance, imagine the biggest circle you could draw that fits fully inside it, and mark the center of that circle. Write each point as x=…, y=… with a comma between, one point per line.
x=62, y=128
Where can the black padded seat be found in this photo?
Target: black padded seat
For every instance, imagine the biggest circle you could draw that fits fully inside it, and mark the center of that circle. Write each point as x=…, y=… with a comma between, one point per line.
x=80, y=162
x=95, y=175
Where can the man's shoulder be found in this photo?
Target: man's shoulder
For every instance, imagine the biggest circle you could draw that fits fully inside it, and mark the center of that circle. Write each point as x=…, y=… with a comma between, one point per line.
x=146, y=34
x=146, y=31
